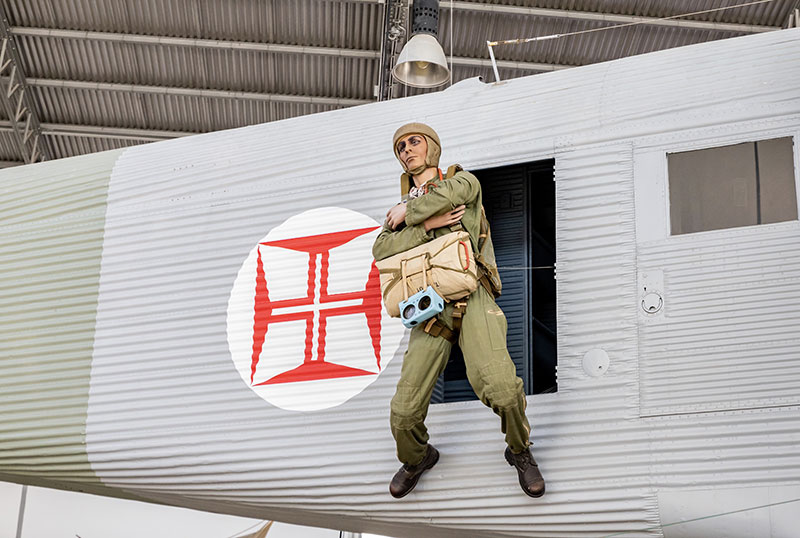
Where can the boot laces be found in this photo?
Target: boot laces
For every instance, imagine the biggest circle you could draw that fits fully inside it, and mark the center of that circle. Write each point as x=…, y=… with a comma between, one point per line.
x=525, y=459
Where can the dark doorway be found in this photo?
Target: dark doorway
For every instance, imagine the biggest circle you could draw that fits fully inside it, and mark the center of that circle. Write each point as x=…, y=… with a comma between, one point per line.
x=520, y=205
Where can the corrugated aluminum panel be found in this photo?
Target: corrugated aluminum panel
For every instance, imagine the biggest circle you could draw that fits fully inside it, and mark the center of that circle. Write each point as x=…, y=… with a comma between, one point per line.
x=51, y=238
x=595, y=310
x=170, y=418
x=730, y=338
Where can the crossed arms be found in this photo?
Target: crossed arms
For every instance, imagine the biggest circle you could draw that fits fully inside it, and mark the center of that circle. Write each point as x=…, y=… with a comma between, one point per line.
x=439, y=207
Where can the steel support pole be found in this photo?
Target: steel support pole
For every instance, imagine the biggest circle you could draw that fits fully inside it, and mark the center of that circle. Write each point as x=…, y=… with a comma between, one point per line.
x=21, y=517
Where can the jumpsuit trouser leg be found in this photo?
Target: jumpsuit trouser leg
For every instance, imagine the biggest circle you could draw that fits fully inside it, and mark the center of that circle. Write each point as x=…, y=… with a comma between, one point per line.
x=490, y=371
x=423, y=363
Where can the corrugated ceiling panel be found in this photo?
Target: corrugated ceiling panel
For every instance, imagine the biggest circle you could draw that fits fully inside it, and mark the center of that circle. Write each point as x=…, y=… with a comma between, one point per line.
x=236, y=70
x=162, y=112
x=71, y=146
x=308, y=22
x=571, y=50
x=9, y=150
x=770, y=14
x=91, y=107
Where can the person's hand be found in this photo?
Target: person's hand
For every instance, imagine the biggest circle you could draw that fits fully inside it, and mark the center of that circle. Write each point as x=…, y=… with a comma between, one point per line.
x=447, y=219
x=396, y=215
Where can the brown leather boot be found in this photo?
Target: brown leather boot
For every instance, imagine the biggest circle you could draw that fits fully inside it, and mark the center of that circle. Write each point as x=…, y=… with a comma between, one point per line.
x=529, y=476
x=407, y=477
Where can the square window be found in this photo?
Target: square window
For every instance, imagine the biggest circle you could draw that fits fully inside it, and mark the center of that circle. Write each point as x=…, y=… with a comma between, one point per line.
x=731, y=186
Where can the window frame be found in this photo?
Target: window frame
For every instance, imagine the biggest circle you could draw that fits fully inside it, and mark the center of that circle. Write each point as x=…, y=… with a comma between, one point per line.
x=755, y=143
x=544, y=163
x=651, y=179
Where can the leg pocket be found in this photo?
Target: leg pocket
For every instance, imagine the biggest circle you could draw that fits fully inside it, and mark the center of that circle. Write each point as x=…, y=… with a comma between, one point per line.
x=496, y=326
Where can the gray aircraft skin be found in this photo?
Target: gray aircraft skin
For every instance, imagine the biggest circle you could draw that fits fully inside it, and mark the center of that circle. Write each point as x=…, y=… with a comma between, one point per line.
x=194, y=322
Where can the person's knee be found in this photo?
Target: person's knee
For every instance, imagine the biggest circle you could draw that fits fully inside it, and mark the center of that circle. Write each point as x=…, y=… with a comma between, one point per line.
x=503, y=397
x=501, y=388
x=407, y=409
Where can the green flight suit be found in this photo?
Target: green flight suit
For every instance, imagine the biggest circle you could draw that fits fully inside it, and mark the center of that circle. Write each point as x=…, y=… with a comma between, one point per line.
x=482, y=338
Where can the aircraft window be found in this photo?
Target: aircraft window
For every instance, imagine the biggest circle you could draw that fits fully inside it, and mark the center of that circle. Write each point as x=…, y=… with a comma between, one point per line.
x=520, y=205
x=731, y=186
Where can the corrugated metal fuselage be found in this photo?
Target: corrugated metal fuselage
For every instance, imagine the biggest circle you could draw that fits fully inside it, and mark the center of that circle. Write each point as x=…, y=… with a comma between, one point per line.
x=135, y=364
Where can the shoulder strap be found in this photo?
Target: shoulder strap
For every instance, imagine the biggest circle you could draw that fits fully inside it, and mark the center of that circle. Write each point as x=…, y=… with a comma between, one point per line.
x=405, y=184
x=452, y=170
x=484, y=230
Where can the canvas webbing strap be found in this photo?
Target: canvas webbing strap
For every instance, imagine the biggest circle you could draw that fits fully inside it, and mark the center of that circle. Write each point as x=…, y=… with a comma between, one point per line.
x=434, y=327
x=458, y=314
x=484, y=280
x=451, y=171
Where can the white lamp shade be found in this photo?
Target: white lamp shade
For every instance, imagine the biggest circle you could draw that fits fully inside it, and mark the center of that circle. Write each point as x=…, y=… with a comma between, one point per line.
x=422, y=63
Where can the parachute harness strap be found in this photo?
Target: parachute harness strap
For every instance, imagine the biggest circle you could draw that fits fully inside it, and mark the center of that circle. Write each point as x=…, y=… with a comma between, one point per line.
x=435, y=327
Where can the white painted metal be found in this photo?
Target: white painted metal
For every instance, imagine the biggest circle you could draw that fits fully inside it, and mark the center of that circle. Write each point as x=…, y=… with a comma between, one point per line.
x=170, y=420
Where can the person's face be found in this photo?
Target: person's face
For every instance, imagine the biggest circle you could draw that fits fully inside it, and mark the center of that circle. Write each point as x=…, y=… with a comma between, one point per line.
x=412, y=150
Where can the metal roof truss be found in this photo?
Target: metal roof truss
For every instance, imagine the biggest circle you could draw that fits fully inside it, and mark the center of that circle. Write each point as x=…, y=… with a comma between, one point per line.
x=17, y=101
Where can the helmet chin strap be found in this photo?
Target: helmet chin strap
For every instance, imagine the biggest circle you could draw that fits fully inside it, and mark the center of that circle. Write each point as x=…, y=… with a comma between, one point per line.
x=418, y=170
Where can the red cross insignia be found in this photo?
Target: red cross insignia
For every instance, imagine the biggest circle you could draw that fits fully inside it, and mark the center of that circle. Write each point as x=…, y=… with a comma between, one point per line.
x=316, y=321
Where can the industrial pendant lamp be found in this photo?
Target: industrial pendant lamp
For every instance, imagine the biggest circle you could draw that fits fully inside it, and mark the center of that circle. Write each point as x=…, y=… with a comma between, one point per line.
x=422, y=63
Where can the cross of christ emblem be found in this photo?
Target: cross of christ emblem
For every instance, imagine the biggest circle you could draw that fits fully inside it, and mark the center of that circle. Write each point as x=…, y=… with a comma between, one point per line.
x=315, y=308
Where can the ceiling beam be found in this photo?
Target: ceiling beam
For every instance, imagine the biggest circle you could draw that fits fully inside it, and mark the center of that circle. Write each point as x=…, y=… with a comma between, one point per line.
x=508, y=64
x=219, y=44
x=194, y=92
x=603, y=17
x=461, y=5
x=118, y=133
x=96, y=131
x=257, y=47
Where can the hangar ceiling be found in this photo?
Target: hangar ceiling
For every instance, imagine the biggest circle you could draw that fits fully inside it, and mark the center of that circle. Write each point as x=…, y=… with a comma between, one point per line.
x=80, y=76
